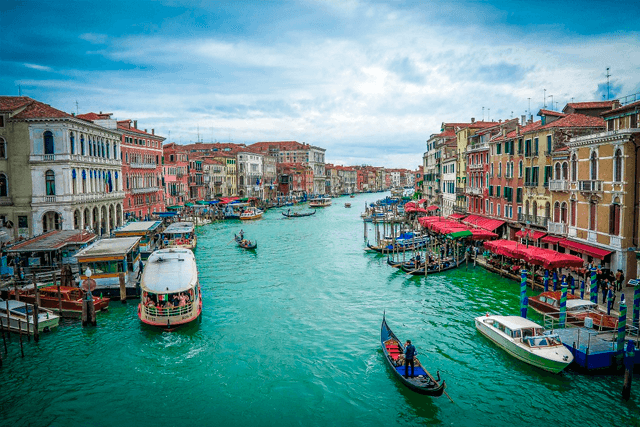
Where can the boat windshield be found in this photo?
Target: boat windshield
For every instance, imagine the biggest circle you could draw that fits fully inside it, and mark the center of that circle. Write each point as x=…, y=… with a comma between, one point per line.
x=543, y=341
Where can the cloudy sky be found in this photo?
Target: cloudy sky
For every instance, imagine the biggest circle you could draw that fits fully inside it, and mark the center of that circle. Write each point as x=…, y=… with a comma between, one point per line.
x=370, y=81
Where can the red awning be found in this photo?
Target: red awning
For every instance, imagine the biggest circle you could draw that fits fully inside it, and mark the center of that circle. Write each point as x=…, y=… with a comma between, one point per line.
x=483, y=222
x=532, y=235
x=551, y=239
x=480, y=234
x=503, y=247
x=433, y=208
x=584, y=248
x=456, y=216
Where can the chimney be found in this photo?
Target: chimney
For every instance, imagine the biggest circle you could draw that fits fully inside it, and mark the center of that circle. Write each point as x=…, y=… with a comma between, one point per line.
x=100, y=112
x=153, y=131
x=473, y=119
x=135, y=124
x=517, y=129
x=145, y=131
x=523, y=119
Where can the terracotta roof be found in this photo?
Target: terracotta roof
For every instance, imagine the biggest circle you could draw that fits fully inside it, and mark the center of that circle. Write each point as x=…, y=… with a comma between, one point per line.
x=40, y=110
x=128, y=128
x=584, y=105
x=631, y=106
x=576, y=121
x=550, y=113
x=8, y=103
x=280, y=145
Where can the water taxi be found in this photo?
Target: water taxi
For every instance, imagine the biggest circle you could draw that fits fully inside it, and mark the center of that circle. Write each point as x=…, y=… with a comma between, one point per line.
x=107, y=259
x=148, y=231
x=170, y=289
x=17, y=316
x=67, y=302
x=320, y=202
x=526, y=340
x=251, y=213
x=179, y=235
x=578, y=310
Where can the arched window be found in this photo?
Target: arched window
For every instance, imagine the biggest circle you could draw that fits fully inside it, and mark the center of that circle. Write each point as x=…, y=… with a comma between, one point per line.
x=563, y=213
x=556, y=212
x=50, y=181
x=593, y=166
x=520, y=169
x=617, y=166
x=574, y=207
x=84, y=181
x=90, y=143
x=72, y=143
x=3, y=149
x=547, y=210
x=499, y=169
x=614, y=217
x=4, y=186
x=107, y=145
x=574, y=168
x=73, y=181
x=82, y=144
x=556, y=171
x=593, y=209
x=48, y=142
x=535, y=209
x=565, y=171
x=526, y=208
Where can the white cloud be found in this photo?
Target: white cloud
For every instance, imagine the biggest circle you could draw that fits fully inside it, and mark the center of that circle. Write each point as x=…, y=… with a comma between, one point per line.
x=38, y=67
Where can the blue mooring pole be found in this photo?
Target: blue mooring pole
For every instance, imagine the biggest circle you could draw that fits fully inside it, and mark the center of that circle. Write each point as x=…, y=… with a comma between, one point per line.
x=582, y=289
x=546, y=280
x=636, y=303
x=563, y=305
x=593, y=294
x=523, y=293
x=555, y=280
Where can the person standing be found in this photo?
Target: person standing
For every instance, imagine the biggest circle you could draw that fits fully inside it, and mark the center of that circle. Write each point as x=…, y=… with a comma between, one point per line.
x=619, y=280
x=409, y=354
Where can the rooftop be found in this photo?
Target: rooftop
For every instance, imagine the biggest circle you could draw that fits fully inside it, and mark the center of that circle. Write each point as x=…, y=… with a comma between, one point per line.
x=139, y=226
x=53, y=241
x=108, y=247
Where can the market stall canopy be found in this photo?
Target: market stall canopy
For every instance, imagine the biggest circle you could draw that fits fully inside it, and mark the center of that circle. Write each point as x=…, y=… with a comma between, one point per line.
x=584, y=248
x=432, y=208
x=456, y=216
x=531, y=234
x=480, y=234
x=502, y=247
x=551, y=239
x=483, y=222
x=459, y=234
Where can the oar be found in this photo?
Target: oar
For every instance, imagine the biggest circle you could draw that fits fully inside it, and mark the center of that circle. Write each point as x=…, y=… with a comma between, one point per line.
x=445, y=391
x=234, y=238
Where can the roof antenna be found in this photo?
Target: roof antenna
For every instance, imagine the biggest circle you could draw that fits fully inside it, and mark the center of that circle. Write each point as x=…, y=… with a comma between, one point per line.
x=483, y=114
x=77, y=107
x=19, y=90
x=608, y=75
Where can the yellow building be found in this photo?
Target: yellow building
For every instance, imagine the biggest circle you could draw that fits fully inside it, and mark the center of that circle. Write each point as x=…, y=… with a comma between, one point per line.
x=594, y=196
x=229, y=161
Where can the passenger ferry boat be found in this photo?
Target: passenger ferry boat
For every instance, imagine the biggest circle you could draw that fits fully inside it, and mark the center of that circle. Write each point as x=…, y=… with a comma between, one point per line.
x=320, y=202
x=106, y=259
x=170, y=289
x=148, y=232
x=526, y=340
x=180, y=235
x=251, y=213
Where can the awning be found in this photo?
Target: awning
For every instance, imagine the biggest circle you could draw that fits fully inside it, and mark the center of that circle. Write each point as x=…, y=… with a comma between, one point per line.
x=531, y=235
x=176, y=207
x=432, y=208
x=551, y=239
x=480, y=234
x=456, y=216
x=583, y=248
x=483, y=222
x=459, y=234
x=189, y=204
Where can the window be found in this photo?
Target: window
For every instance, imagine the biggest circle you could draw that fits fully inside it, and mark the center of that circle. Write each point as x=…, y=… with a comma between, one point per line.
x=614, y=218
x=4, y=187
x=617, y=166
x=3, y=149
x=520, y=169
x=50, y=182
x=498, y=148
x=574, y=168
x=82, y=144
x=1, y=120
x=48, y=142
x=498, y=191
x=548, y=143
x=574, y=205
x=563, y=213
x=535, y=173
x=527, y=148
x=499, y=169
x=519, y=195
x=593, y=169
x=557, y=171
x=535, y=146
x=593, y=209
x=498, y=210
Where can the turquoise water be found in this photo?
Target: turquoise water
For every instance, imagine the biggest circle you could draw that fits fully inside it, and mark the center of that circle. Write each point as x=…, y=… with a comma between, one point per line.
x=290, y=336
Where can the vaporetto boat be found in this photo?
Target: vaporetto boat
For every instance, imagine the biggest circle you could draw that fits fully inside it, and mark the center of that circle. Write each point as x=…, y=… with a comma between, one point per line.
x=526, y=340
x=320, y=202
x=170, y=289
x=180, y=235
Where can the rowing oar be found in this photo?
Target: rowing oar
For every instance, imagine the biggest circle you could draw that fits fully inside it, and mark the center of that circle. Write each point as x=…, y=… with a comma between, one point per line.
x=445, y=391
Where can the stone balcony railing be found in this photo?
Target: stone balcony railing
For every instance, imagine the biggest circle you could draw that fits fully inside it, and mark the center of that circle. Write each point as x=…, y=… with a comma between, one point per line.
x=477, y=147
x=533, y=219
x=142, y=165
x=475, y=191
x=559, y=228
x=476, y=166
x=559, y=185
x=590, y=186
x=36, y=158
x=77, y=198
x=144, y=190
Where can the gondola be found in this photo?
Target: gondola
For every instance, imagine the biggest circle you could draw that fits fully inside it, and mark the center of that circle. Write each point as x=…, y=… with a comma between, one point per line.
x=246, y=244
x=423, y=382
x=410, y=268
x=297, y=215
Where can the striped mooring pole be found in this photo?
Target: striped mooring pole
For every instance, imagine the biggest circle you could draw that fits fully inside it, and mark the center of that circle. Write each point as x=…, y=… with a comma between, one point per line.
x=573, y=285
x=593, y=295
x=563, y=305
x=523, y=293
x=622, y=327
x=636, y=302
x=546, y=280
x=555, y=280
x=582, y=289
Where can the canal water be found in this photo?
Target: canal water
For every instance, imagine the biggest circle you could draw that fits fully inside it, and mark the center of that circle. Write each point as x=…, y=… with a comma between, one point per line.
x=290, y=336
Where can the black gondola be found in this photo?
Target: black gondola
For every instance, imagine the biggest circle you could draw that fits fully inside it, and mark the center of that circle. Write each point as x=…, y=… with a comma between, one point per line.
x=297, y=215
x=423, y=382
x=410, y=268
x=245, y=243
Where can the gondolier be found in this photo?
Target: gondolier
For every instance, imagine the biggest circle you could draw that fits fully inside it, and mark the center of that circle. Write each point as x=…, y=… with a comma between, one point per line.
x=409, y=354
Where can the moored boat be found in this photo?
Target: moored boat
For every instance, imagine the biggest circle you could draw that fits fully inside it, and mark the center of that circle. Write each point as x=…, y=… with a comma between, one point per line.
x=170, y=289
x=20, y=317
x=69, y=297
x=347, y=205
x=251, y=213
x=577, y=310
x=526, y=340
x=320, y=202
x=180, y=235
x=422, y=382
x=433, y=267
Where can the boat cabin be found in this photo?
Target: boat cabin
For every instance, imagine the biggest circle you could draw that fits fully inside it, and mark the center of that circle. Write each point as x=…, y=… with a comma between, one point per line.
x=148, y=231
x=179, y=235
x=107, y=258
x=320, y=202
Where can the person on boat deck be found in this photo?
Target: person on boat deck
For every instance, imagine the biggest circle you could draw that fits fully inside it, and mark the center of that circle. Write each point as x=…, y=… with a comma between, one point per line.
x=241, y=234
x=409, y=353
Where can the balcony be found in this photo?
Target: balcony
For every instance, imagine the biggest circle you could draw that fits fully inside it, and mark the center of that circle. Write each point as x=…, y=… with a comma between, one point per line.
x=474, y=191
x=6, y=201
x=476, y=166
x=540, y=221
x=559, y=228
x=142, y=165
x=615, y=241
x=590, y=186
x=144, y=190
x=559, y=185
x=460, y=209
x=77, y=198
x=459, y=190
x=477, y=147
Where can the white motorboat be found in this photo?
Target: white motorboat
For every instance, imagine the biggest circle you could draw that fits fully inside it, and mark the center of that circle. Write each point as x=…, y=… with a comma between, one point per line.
x=320, y=202
x=251, y=213
x=526, y=340
x=20, y=316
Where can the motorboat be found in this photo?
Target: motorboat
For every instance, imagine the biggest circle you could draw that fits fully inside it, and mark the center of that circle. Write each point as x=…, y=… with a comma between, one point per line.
x=69, y=297
x=320, y=202
x=251, y=213
x=17, y=316
x=577, y=310
x=526, y=340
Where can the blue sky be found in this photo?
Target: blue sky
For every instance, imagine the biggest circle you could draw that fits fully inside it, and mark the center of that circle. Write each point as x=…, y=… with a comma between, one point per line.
x=369, y=81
